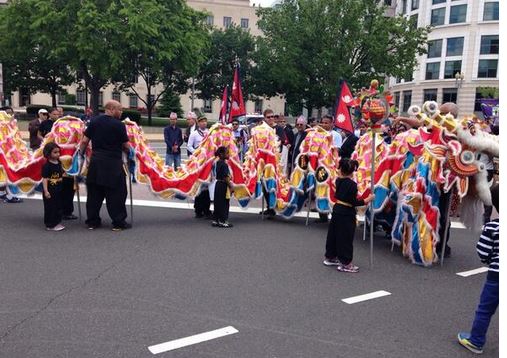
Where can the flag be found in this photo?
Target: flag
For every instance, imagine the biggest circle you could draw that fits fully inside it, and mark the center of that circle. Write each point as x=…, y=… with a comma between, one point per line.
x=237, y=104
x=223, y=109
x=342, y=115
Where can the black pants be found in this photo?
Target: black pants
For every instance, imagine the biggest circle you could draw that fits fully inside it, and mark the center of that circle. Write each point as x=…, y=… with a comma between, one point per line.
x=53, y=209
x=340, y=237
x=443, y=204
x=202, y=203
x=68, y=196
x=221, y=203
x=115, y=203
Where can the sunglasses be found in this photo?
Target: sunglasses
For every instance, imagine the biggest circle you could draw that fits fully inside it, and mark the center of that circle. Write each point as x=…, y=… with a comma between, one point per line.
x=235, y=124
x=270, y=117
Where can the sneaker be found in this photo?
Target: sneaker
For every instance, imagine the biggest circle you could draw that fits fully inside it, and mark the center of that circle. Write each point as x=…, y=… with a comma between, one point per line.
x=331, y=262
x=225, y=224
x=214, y=223
x=347, y=268
x=125, y=226
x=464, y=340
x=69, y=217
x=13, y=200
x=58, y=227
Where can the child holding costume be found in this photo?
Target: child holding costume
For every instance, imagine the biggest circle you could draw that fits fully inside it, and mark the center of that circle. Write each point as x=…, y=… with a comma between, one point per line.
x=52, y=182
x=342, y=228
x=223, y=189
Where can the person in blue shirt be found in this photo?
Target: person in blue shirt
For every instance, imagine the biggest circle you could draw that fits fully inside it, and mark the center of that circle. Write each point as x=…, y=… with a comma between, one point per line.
x=173, y=137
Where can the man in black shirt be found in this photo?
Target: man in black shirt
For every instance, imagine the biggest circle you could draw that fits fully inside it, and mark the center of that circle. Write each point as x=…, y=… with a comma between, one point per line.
x=106, y=173
x=46, y=126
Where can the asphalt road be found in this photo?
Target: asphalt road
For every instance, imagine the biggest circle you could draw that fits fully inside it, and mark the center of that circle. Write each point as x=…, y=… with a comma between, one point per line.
x=81, y=293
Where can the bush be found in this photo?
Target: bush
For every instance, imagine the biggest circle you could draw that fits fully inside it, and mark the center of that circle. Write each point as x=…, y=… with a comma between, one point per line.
x=132, y=114
x=72, y=109
x=70, y=98
x=33, y=109
x=170, y=102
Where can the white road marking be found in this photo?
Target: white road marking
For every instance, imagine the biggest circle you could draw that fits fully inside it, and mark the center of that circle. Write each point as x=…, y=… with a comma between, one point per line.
x=473, y=272
x=366, y=297
x=188, y=205
x=187, y=341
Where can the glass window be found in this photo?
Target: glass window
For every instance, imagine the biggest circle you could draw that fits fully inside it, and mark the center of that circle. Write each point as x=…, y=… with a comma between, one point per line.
x=407, y=100
x=132, y=101
x=388, y=2
x=489, y=44
x=403, y=6
x=80, y=97
x=438, y=16
x=458, y=14
x=450, y=95
x=491, y=11
x=434, y=48
x=415, y=4
x=413, y=21
x=244, y=23
x=227, y=21
x=258, y=106
x=207, y=104
x=61, y=97
x=430, y=94
x=487, y=68
x=397, y=99
x=432, y=70
x=451, y=68
x=210, y=20
x=438, y=2
x=455, y=46
x=101, y=98
x=116, y=96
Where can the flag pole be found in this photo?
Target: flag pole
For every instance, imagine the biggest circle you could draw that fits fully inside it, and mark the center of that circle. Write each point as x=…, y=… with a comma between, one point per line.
x=372, y=189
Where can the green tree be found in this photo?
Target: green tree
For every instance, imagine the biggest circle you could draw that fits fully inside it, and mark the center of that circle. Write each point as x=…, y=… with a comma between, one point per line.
x=170, y=102
x=310, y=44
x=164, y=48
x=227, y=46
x=29, y=60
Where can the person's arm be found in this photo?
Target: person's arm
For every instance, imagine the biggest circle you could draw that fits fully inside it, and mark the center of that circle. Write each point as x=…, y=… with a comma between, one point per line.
x=190, y=143
x=83, y=145
x=180, y=141
x=166, y=137
x=47, y=195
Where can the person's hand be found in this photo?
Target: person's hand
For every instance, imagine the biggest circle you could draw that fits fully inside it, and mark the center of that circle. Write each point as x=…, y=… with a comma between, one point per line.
x=47, y=195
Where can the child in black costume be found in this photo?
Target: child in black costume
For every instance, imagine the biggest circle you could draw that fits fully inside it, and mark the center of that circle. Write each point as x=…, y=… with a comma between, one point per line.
x=342, y=228
x=52, y=182
x=223, y=189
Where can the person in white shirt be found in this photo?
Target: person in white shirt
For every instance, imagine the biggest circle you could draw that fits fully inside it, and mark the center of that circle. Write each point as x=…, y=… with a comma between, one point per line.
x=202, y=201
x=192, y=126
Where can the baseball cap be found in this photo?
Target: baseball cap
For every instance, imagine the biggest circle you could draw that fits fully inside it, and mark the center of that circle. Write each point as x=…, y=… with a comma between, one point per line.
x=43, y=110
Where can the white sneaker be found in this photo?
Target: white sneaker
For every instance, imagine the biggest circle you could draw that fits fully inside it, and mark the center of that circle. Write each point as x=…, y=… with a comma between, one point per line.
x=58, y=227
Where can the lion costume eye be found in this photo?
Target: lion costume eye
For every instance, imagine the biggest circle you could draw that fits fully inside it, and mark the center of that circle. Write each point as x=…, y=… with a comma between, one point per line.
x=467, y=157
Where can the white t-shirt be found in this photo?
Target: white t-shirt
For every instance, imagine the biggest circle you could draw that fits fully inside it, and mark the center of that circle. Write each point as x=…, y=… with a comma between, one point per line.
x=195, y=139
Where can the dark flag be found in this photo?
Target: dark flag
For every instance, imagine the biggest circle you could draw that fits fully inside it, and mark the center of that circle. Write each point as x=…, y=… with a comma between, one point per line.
x=223, y=109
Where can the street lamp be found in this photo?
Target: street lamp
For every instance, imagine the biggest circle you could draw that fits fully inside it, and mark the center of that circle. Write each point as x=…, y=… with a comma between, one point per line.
x=459, y=76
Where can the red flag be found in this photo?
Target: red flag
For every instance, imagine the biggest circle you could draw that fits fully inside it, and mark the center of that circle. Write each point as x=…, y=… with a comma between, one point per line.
x=223, y=109
x=237, y=104
x=342, y=115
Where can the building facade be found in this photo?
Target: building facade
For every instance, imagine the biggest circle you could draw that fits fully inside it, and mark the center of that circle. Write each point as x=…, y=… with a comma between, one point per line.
x=222, y=13
x=462, y=56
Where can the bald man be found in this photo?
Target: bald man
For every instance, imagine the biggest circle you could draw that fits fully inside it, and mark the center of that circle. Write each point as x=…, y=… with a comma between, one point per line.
x=106, y=174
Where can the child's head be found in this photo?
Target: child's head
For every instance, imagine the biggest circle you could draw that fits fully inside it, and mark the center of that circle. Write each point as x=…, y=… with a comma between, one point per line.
x=51, y=151
x=222, y=152
x=348, y=166
x=494, y=196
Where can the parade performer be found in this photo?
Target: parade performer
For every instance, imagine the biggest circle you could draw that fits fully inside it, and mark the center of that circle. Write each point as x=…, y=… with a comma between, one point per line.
x=340, y=235
x=202, y=201
x=106, y=173
x=52, y=182
x=223, y=189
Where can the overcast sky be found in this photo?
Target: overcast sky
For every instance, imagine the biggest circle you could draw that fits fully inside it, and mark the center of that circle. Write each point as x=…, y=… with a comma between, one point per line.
x=263, y=3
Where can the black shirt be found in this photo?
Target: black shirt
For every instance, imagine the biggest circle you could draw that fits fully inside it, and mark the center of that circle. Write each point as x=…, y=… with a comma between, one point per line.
x=54, y=174
x=222, y=170
x=346, y=191
x=107, y=135
x=46, y=126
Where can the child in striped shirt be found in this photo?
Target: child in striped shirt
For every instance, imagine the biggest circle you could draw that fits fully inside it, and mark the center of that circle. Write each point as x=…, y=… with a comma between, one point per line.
x=487, y=248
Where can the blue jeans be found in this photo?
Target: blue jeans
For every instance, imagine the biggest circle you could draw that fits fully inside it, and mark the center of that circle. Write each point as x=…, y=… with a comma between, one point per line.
x=173, y=159
x=486, y=309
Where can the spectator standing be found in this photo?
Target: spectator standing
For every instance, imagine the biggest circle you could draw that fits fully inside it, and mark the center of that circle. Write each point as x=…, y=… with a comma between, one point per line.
x=173, y=139
x=33, y=129
x=191, y=127
x=488, y=250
